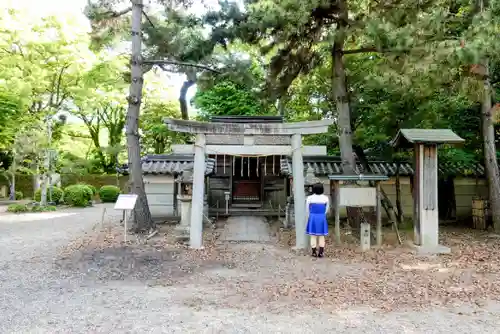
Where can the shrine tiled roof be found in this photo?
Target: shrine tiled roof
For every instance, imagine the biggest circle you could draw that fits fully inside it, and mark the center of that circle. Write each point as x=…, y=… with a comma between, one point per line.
x=169, y=164
x=329, y=165
x=174, y=164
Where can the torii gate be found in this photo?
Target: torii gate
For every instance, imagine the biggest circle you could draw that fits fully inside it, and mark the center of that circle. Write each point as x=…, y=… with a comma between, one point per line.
x=248, y=131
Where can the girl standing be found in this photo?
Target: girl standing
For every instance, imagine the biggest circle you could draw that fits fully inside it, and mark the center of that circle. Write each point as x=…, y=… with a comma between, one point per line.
x=317, y=206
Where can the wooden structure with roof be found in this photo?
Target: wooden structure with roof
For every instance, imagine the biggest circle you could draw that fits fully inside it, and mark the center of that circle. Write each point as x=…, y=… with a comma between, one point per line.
x=425, y=143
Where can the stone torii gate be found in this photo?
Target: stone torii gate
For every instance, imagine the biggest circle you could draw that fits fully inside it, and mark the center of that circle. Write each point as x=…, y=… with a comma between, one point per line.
x=248, y=131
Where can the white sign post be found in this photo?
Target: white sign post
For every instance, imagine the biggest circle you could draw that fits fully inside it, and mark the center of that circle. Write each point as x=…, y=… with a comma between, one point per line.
x=125, y=202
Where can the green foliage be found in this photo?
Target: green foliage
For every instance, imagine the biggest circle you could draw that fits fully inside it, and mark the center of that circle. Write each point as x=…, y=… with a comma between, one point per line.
x=93, y=189
x=11, y=111
x=24, y=183
x=77, y=195
x=19, y=195
x=17, y=208
x=227, y=98
x=408, y=71
x=157, y=138
x=57, y=195
x=88, y=191
x=109, y=194
x=43, y=208
x=99, y=104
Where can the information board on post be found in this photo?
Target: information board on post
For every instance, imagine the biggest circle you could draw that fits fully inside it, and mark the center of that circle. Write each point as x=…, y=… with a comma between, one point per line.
x=126, y=202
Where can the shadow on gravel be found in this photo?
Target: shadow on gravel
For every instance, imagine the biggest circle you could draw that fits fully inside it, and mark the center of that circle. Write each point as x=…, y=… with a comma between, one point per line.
x=157, y=266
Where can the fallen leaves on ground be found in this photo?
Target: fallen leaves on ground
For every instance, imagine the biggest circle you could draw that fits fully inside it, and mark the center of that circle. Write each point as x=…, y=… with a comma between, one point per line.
x=270, y=275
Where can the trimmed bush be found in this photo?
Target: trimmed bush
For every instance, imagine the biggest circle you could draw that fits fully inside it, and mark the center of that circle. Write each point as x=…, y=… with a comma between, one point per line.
x=46, y=208
x=24, y=182
x=88, y=191
x=57, y=195
x=77, y=195
x=94, y=190
x=109, y=194
x=19, y=195
x=17, y=208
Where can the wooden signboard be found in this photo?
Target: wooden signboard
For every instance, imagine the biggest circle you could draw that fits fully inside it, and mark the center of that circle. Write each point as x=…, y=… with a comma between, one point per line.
x=358, y=197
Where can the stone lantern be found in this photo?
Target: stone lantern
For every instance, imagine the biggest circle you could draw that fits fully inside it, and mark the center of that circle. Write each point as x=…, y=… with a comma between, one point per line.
x=309, y=181
x=185, y=198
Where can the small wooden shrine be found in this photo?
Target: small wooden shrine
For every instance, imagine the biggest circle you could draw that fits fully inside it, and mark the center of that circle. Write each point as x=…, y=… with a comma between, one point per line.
x=424, y=143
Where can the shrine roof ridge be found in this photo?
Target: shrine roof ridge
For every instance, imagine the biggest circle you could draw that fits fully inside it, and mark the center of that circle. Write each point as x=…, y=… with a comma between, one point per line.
x=246, y=119
x=358, y=177
x=268, y=128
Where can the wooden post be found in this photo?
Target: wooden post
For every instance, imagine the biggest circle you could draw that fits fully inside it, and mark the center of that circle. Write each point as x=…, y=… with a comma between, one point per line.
x=429, y=217
x=379, y=216
x=125, y=226
x=175, y=195
x=417, y=191
x=336, y=188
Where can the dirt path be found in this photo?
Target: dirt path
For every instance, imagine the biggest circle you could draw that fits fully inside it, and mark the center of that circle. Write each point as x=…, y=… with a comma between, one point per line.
x=54, y=278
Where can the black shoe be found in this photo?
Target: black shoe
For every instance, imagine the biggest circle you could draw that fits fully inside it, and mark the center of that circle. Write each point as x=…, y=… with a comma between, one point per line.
x=321, y=252
x=314, y=254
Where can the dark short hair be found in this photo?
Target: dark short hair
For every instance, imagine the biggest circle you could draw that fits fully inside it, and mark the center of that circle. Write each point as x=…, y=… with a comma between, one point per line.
x=318, y=189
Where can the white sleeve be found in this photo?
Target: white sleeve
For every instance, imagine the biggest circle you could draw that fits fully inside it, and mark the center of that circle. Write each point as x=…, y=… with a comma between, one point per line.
x=327, y=204
x=308, y=201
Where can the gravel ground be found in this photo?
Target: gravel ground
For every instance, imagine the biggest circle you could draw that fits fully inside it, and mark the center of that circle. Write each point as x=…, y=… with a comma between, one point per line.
x=57, y=276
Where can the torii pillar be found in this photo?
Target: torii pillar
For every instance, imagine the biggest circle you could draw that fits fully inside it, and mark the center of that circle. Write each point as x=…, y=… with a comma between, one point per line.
x=425, y=191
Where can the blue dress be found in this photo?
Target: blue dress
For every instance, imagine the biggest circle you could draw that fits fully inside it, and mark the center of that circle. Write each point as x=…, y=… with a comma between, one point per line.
x=317, y=223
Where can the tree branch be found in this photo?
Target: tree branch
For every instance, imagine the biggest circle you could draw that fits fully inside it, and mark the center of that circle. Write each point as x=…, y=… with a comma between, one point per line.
x=366, y=49
x=149, y=20
x=362, y=50
x=178, y=63
x=58, y=101
x=112, y=14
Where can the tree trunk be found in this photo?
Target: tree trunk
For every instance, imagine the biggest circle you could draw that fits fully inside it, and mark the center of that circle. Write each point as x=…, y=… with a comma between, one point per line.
x=142, y=215
x=12, y=184
x=9, y=182
x=342, y=103
x=344, y=130
x=399, y=206
x=182, y=98
x=282, y=102
x=490, y=157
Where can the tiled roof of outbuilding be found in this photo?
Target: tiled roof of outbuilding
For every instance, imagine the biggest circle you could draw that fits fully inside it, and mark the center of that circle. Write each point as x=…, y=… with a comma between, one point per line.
x=170, y=164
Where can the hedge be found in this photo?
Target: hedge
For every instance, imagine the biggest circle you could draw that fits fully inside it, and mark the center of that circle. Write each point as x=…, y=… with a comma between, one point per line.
x=24, y=183
x=109, y=194
x=57, y=195
x=77, y=195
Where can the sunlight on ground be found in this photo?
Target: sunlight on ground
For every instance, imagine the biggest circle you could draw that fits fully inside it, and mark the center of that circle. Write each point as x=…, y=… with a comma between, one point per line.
x=28, y=217
x=420, y=266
